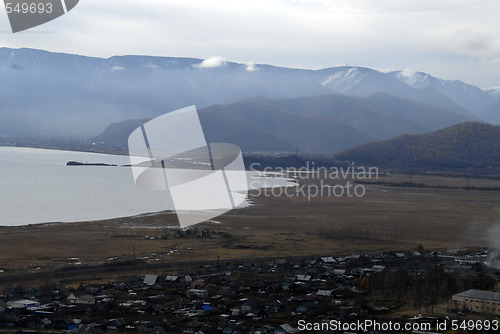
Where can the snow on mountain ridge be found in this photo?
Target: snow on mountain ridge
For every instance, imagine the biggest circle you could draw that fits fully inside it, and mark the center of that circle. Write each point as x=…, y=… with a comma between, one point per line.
x=412, y=78
x=494, y=91
x=344, y=79
x=467, y=96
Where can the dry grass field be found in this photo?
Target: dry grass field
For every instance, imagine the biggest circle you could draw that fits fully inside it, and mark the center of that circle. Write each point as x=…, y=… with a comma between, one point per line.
x=386, y=218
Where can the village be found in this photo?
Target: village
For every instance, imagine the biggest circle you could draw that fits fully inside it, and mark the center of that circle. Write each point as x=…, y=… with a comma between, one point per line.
x=267, y=296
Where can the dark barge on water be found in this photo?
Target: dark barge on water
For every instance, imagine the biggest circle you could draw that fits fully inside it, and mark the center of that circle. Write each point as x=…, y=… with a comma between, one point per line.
x=78, y=163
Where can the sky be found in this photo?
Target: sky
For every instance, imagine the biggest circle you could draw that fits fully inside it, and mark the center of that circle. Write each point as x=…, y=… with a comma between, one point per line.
x=449, y=39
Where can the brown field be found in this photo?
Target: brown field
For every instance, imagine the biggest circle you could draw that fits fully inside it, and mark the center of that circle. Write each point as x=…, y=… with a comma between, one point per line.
x=386, y=218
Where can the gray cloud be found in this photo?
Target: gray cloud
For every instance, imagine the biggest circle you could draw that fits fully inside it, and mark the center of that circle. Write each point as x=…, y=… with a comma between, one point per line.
x=470, y=41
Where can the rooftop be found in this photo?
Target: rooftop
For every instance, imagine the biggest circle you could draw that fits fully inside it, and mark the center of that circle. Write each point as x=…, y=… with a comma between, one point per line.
x=480, y=294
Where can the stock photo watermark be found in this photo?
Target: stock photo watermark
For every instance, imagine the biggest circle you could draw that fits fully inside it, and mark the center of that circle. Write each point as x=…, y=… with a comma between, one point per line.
x=312, y=181
x=26, y=14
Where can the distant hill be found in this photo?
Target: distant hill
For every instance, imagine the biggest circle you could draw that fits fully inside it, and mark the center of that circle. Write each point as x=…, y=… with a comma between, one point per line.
x=326, y=123
x=116, y=134
x=244, y=123
x=463, y=146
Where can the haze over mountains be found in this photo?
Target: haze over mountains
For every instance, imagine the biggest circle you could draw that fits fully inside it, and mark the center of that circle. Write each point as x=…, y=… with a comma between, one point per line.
x=325, y=123
x=256, y=106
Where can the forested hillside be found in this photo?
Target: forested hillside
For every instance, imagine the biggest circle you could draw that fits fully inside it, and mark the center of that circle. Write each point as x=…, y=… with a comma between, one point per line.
x=466, y=145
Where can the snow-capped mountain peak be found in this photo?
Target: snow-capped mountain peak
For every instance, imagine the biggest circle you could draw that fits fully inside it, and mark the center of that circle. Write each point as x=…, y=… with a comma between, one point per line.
x=493, y=91
x=412, y=78
x=465, y=95
x=343, y=79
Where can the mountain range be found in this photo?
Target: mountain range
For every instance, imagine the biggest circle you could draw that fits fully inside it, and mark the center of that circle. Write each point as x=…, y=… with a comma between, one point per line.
x=325, y=123
x=46, y=93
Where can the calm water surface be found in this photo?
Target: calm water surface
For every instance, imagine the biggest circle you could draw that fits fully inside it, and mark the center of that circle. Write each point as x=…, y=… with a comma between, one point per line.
x=36, y=186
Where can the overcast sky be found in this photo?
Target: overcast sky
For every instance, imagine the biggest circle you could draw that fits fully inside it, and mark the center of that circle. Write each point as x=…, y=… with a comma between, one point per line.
x=451, y=39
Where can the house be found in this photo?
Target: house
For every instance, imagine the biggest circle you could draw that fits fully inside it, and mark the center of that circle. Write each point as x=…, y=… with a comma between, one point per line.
x=400, y=255
x=133, y=282
x=197, y=284
x=150, y=280
x=339, y=272
x=477, y=301
x=197, y=293
x=235, y=312
x=262, y=330
x=377, y=269
x=115, y=325
x=81, y=298
x=27, y=304
x=85, y=329
x=171, y=278
x=248, y=306
x=227, y=330
x=227, y=291
x=142, y=326
x=276, y=306
x=9, y=320
x=301, y=308
x=303, y=278
x=285, y=329
x=66, y=324
x=36, y=323
x=233, y=329
x=288, y=281
x=324, y=293
x=311, y=262
x=328, y=259
x=192, y=327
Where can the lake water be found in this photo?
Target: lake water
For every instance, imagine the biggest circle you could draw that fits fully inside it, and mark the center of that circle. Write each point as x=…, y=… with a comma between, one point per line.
x=36, y=186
